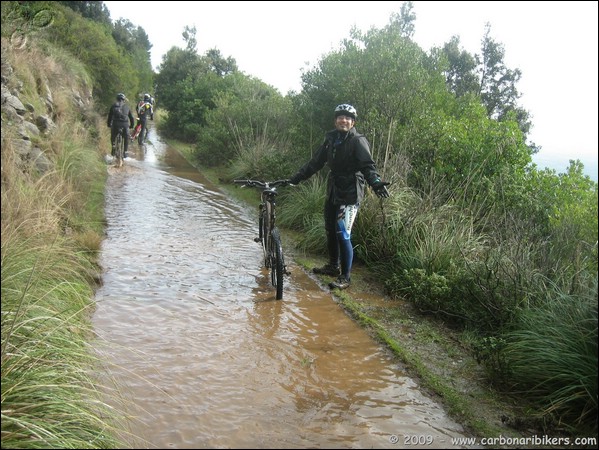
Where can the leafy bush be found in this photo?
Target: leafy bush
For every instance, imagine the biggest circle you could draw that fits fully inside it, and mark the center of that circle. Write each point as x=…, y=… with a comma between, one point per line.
x=430, y=293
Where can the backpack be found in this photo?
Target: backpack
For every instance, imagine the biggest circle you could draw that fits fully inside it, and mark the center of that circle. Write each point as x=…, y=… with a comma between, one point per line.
x=119, y=113
x=142, y=107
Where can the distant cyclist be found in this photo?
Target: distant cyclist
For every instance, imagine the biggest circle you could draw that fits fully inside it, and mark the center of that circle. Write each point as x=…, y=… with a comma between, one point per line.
x=145, y=110
x=119, y=117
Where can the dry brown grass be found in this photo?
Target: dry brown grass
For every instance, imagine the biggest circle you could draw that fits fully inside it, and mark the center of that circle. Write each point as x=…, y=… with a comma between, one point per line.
x=31, y=205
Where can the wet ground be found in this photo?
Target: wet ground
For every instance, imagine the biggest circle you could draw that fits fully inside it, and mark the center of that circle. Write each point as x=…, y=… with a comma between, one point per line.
x=202, y=353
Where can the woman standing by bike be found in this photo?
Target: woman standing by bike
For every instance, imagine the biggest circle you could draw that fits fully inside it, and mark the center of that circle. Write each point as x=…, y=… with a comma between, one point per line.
x=120, y=117
x=347, y=153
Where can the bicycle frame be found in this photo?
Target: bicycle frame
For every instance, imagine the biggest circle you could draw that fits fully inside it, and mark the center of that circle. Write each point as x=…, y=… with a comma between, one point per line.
x=268, y=233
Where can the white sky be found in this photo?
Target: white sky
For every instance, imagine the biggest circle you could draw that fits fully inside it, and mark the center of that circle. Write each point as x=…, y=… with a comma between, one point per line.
x=554, y=44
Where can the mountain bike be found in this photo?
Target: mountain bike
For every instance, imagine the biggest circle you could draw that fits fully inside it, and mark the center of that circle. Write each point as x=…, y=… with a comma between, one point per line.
x=268, y=233
x=119, y=146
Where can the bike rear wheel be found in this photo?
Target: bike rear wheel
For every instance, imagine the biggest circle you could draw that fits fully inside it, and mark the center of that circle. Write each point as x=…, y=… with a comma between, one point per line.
x=277, y=269
x=119, y=150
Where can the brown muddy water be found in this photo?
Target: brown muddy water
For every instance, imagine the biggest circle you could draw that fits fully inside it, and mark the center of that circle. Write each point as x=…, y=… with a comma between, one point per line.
x=200, y=355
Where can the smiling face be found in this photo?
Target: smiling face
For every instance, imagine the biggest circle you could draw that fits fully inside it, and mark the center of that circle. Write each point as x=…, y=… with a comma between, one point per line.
x=344, y=123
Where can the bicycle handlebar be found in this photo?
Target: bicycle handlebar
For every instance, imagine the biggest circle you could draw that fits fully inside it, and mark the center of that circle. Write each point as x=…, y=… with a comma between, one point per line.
x=263, y=184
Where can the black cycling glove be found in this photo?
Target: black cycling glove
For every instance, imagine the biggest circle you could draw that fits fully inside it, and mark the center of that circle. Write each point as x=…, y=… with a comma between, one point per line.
x=380, y=188
x=295, y=179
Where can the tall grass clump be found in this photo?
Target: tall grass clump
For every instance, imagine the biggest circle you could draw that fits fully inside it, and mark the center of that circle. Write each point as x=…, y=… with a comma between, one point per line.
x=48, y=397
x=379, y=231
x=261, y=160
x=422, y=253
x=302, y=210
x=551, y=357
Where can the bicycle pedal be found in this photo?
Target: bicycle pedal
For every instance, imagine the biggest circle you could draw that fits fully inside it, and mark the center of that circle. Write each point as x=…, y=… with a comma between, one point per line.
x=257, y=239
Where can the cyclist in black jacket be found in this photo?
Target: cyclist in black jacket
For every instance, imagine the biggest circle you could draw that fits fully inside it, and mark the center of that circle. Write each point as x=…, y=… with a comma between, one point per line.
x=119, y=117
x=347, y=154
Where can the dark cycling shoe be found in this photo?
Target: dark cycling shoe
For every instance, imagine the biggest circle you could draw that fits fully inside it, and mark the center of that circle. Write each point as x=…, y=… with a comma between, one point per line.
x=341, y=283
x=126, y=155
x=327, y=269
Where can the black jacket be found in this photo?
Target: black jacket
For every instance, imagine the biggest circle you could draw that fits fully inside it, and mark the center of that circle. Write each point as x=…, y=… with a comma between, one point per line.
x=351, y=166
x=118, y=122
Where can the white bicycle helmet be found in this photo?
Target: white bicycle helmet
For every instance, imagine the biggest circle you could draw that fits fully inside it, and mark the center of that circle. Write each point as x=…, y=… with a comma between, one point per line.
x=346, y=110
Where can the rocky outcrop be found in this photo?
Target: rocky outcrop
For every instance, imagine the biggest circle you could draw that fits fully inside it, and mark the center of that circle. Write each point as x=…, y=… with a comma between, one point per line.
x=22, y=124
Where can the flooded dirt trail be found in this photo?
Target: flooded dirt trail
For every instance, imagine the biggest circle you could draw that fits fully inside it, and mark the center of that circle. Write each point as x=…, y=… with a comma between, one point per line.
x=203, y=355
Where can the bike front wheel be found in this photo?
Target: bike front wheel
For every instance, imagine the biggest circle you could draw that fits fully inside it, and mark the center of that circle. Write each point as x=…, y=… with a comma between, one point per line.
x=277, y=264
x=265, y=235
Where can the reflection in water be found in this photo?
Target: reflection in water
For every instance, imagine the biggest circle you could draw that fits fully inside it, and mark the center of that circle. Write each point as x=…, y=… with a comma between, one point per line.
x=204, y=356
